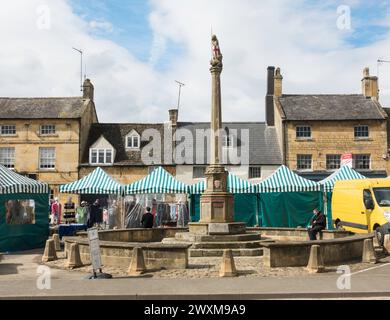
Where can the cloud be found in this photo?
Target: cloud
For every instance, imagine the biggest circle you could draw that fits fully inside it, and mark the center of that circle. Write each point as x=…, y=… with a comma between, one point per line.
x=301, y=38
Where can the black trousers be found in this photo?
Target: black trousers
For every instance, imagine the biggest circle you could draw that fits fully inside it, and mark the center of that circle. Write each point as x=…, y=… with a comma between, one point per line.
x=314, y=231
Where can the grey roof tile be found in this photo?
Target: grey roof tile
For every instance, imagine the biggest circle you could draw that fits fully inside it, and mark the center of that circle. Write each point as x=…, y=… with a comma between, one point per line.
x=331, y=107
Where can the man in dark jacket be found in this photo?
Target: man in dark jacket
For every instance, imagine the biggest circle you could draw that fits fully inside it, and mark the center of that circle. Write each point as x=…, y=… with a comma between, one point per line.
x=147, y=219
x=318, y=224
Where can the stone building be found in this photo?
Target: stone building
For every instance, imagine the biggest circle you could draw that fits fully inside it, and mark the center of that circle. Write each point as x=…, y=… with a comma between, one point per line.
x=314, y=131
x=43, y=138
x=250, y=151
x=117, y=148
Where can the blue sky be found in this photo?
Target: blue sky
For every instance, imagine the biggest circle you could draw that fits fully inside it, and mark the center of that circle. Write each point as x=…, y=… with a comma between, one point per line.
x=136, y=49
x=131, y=27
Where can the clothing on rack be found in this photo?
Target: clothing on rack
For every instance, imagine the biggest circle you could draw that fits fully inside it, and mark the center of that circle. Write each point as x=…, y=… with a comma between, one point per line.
x=183, y=215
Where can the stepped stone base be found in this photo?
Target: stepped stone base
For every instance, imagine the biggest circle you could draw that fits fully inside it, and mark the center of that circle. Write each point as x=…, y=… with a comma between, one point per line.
x=213, y=245
x=205, y=228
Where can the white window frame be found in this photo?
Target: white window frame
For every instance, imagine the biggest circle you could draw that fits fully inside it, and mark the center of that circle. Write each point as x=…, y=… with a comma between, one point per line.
x=297, y=128
x=363, y=154
x=356, y=130
x=311, y=164
x=41, y=159
x=45, y=127
x=7, y=160
x=98, y=151
x=130, y=138
x=8, y=126
x=332, y=155
x=255, y=168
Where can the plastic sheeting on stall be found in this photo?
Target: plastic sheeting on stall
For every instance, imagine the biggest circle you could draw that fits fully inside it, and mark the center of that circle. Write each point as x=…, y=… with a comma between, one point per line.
x=24, y=235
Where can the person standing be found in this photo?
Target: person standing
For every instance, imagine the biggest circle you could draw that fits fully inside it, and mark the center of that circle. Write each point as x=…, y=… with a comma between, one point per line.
x=81, y=213
x=147, y=219
x=56, y=211
x=96, y=214
x=318, y=224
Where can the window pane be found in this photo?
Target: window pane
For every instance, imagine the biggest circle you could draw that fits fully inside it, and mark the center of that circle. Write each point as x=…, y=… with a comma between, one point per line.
x=333, y=161
x=361, y=161
x=135, y=142
x=254, y=172
x=304, y=162
x=20, y=212
x=108, y=156
x=101, y=156
x=94, y=156
x=362, y=132
x=303, y=132
x=8, y=130
x=7, y=157
x=48, y=129
x=47, y=158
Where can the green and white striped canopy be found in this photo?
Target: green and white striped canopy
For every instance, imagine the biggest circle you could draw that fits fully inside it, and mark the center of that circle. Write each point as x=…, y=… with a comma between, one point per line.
x=285, y=180
x=157, y=182
x=12, y=183
x=97, y=182
x=344, y=173
x=236, y=185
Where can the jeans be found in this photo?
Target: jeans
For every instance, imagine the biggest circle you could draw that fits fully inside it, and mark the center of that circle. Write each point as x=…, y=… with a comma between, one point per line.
x=313, y=232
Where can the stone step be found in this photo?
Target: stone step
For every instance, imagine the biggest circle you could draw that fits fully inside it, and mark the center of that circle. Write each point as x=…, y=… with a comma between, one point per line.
x=199, y=253
x=217, y=238
x=227, y=245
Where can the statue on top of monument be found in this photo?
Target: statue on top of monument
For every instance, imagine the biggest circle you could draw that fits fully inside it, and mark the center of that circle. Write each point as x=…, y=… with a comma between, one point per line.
x=217, y=55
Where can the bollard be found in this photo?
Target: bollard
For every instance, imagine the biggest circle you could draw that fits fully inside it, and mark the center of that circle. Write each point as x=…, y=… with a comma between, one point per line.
x=228, y=267
x=386, y=244
x=74, y=259
x=369, y=255
x=137, y=265
x=57, y=243
x=50, y=251
x=316, y=261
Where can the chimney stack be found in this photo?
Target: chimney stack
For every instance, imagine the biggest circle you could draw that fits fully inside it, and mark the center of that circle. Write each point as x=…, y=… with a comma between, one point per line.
x=88, y=90
x=173, y=117
x=269, y=99
x=370, y=85
x=278, y=83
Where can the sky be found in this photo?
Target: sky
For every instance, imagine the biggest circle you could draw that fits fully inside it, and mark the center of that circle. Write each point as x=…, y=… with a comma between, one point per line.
x=134, y=50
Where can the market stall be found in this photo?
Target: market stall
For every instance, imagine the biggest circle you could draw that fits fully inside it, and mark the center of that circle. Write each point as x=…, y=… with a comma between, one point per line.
x=98, y=184
x=287, y=200
x=344, y=173
x=158, y=191
x=24, y=212
x=246, y=200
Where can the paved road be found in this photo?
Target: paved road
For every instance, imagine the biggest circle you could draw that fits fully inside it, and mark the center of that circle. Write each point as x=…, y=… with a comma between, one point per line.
x=18, y=279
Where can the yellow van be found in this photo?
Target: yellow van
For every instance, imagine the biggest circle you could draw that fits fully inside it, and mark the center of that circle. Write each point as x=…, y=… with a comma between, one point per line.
x=362, y=206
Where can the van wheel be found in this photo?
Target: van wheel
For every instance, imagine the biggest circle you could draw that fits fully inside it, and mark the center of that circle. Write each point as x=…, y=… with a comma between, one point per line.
x=379, y=234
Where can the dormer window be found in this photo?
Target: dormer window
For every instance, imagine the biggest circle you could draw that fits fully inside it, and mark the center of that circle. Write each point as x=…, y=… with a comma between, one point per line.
x=101, y=156
x=133, y=140
x=101, y=153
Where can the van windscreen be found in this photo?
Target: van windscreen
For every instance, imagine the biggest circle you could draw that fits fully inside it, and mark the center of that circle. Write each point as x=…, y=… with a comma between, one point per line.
x=382, y=196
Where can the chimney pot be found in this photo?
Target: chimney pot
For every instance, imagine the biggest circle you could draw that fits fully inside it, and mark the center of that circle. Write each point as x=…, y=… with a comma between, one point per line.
x=173, y=117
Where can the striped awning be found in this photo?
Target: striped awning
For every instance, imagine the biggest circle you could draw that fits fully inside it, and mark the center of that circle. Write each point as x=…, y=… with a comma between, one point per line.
x=97, y=182
x=235, y=185
x=159, y=181
x=344, y=173
x=12, y=183
x=285, y=180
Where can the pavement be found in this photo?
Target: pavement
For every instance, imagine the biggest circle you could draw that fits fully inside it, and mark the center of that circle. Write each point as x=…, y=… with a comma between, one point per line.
x=18, y=280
